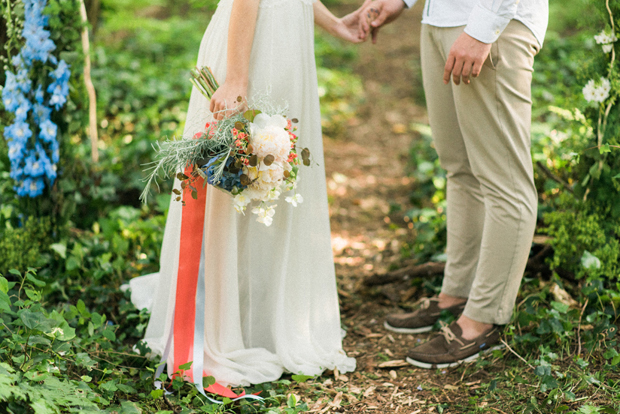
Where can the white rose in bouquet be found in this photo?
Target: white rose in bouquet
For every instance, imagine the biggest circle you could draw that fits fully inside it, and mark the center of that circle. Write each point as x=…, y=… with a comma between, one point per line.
x=269, y=137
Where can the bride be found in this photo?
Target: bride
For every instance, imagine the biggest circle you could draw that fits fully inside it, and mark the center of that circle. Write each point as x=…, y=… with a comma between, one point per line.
x=245, y=302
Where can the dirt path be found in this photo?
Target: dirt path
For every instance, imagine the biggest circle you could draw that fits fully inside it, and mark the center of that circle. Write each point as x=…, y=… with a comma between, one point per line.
x=366, y=173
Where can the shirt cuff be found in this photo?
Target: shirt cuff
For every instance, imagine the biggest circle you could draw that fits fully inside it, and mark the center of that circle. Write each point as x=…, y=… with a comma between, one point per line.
x=484, y=25
x=409, y=3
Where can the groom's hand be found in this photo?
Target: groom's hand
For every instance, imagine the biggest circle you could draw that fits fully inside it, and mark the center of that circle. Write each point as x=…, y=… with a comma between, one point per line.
x=466, y=57
x=379, y=13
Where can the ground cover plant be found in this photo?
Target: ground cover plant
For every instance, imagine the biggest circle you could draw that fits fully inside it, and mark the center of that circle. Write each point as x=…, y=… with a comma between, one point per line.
x=69, y=337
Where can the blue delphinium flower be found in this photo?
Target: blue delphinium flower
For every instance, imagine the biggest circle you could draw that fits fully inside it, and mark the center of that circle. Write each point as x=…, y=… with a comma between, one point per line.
x=18, y=131
x=33, y=139
x=59, y=93
x=34, y=166
x=50, y=169
x=21, y=113
x=48, y=131
x=41, y=114
x=16, y=152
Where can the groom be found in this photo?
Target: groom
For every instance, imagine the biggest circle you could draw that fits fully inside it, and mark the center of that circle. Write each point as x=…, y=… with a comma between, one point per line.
x=481, y=130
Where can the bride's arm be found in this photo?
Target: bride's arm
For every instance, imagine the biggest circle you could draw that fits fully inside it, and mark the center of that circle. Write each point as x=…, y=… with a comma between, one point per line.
x=344, y=28
x=240, y=38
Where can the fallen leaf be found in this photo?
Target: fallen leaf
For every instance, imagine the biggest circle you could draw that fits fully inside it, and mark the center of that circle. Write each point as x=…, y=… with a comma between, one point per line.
x=369, y=391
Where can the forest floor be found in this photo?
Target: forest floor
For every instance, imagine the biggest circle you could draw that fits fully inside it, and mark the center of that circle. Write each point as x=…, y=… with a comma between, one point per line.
x=367, y=178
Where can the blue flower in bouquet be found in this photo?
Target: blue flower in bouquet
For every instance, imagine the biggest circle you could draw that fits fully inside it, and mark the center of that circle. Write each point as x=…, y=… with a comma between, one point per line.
x=228, y=180
x=48, y=131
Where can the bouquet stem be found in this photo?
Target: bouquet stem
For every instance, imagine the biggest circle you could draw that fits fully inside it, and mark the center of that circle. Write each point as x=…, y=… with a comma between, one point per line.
x=203, y=79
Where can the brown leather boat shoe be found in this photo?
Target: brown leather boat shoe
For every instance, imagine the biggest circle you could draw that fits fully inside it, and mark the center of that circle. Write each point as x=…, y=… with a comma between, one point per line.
x=448, y=348
x=420, y=320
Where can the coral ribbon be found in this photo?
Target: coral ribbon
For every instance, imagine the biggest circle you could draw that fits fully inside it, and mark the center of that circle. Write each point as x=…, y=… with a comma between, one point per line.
x=189, y=312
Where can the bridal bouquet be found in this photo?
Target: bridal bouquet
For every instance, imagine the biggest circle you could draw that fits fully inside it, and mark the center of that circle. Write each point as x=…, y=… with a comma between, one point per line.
x=250, y=155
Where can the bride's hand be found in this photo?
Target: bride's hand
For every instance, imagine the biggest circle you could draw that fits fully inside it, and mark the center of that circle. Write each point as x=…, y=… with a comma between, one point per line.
x=347, y=27
x=228, y=99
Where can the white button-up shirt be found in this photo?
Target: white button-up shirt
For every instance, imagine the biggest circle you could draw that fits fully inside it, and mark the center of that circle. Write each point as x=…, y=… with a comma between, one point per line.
x=485, y=20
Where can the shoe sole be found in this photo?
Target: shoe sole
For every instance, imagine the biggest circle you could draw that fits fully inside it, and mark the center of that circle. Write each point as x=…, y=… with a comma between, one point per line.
x=471, y=358
x=407, y=330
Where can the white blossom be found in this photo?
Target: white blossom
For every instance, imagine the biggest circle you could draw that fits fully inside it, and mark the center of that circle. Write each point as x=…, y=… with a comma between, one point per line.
x=265, y=214
x=589, y=91
x=597, y=92
x=603, y=38
x=295, y=200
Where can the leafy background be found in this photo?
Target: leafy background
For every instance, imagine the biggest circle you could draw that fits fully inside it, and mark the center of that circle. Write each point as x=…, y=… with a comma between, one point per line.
x=69, y=337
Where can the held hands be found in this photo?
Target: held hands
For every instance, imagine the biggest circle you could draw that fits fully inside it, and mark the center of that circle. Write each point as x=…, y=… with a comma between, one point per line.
x=347, y=28
x=225, y=101
x=377, y=13
x=465, y=59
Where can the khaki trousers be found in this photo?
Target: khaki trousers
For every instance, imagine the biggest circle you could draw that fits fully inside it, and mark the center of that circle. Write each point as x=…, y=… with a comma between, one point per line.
x=481, y=132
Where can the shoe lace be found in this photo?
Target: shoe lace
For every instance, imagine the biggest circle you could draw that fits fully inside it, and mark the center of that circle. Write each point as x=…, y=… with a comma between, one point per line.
x=448, y=334
x=426, y=302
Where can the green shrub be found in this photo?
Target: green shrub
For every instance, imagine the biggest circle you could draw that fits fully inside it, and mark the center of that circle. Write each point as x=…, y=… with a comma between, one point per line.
x=585, y=239
x=22, y=247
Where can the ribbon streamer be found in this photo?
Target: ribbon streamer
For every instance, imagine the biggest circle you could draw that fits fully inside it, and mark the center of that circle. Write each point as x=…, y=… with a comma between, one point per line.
x=188, y=319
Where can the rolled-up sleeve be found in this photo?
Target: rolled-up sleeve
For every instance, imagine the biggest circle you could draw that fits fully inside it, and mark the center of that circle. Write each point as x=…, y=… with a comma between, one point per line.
x=489, y=19
x=410, y=3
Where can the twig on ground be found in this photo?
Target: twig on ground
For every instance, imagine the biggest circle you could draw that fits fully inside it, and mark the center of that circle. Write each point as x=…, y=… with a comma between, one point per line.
x=579, y=327
x=515, y=353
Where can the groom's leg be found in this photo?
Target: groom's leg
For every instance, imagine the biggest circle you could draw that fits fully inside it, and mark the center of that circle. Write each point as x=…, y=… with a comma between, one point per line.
x=465, y=209
x=494, y=114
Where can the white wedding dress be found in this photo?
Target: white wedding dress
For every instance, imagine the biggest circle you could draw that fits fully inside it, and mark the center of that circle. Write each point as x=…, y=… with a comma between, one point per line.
x=271, y=303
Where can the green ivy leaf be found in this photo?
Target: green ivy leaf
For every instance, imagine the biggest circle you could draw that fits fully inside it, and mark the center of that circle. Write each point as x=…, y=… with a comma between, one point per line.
x=109, y=386
x=208, y=381
x=186, y=366
x=291, y=401
x=301, y=378
x=81, y=307
x=155, y=394
x=109, y=334
x=4, y=285
x=560, y=307
x=5, y=302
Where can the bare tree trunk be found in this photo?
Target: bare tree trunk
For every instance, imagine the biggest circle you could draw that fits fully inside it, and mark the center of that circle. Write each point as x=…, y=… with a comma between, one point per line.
x=92, y=97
